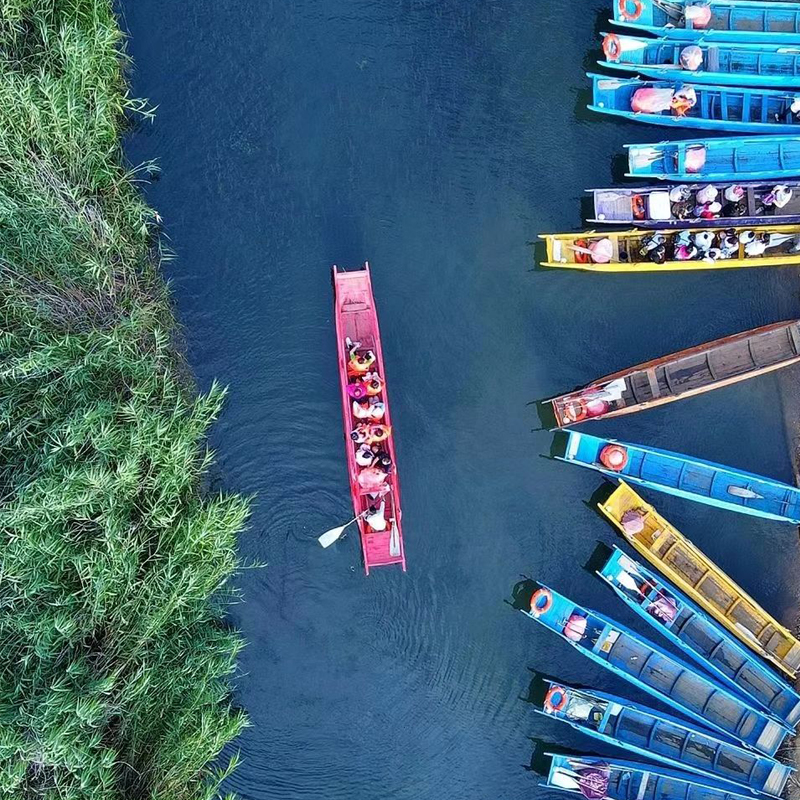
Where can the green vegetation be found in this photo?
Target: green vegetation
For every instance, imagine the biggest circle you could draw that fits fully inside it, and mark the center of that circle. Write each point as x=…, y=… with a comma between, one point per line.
x=114, y=662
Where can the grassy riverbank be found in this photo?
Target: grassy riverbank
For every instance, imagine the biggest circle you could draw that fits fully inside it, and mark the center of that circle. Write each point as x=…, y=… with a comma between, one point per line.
x=114, y=662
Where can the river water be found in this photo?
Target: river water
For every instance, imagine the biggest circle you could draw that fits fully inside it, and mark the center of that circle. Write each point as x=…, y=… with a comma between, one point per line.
x=435, y=138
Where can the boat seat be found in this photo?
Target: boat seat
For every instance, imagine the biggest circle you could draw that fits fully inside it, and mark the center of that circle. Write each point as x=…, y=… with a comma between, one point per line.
x=712, y=59
x=659, y=206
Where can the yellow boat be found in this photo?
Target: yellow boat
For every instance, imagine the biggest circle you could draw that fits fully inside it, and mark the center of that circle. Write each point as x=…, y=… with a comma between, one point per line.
x=693, y=572
x=620, y=251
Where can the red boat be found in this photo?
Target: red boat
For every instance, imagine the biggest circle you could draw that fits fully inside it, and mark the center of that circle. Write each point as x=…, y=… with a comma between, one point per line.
x=369, y=440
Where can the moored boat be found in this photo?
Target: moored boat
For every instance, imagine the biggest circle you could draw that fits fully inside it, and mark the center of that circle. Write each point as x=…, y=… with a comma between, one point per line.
x=684, y=476
x=686, y=105
x=662, y=250
x=714, y=20
x=746, y=203
x=368, y=424
x=683, y=374
x=687, y=627
x=728, y=63
x=730, y=158
x=655, y=671
x=694, y=573
x=595, y=778
x=622, y=723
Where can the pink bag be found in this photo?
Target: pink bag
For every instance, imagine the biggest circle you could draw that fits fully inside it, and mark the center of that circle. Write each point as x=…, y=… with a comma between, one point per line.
x=651, y=101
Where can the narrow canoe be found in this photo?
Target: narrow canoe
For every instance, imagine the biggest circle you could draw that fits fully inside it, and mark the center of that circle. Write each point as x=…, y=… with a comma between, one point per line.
x=683, y=374
x=688, y=568
x=651, y=206
x=683, y=476
x=719, y=108
x=617, y=779
x=624, y=250
x=730, y=20
x=662, y=737
x=655, y=671
x=689, y=628
x=357, y=320
x=728, y=63
x=726, y=159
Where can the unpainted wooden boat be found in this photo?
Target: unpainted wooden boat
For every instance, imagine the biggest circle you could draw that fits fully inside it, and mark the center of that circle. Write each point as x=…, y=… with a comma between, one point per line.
x=688, y=372
x=629, y=250
x=662, y=737
x=714, y=20
x=727, y=63
x=720, y=108
x=695, y=634
x=655, y=671
x=357, y=322
x=603, y=778
x=728, y=159
x=654, y=207
x=684, y=476
x=694, y=573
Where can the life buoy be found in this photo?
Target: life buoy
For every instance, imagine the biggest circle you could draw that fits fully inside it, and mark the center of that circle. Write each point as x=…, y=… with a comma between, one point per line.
x=614, y=457
x=555, y=699
x=581, y=258
x=625, y=15
x=612, y=47
x=541, y=601
x=378, y=433
x=638, y=207
x=574, y=410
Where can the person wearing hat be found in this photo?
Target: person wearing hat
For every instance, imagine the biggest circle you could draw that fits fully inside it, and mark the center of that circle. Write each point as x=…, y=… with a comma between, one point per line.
x=735, y=205
x=703, y=240
x=706, y=194
x=729, y=244
x=708, y=211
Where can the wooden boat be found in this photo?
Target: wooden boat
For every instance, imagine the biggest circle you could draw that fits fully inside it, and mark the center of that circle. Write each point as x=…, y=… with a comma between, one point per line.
x=627, y=251
x=734, y=158
x=690, y=478
x=718, y=108
x=729, y=20
x=683, y=374
x=728, y=63
x=694, y=573
x=689, y=629
x=661, y=737
x=357, y=322
x=655, y=671
x=653, y=207
x=617, y=779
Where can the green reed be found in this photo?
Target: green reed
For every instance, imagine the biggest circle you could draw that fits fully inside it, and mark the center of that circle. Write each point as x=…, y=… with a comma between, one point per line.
x=114, y=558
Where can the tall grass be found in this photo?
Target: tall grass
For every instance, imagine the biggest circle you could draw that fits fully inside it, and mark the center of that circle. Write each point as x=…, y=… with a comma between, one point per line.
x=114, y=561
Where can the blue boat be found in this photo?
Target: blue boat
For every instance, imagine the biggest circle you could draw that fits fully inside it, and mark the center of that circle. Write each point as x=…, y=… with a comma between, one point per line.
x=616, y=779
x=688, y=628
x=662, y=737
x=720, y=108
x=728, y=63
x=691, y=478
x=727, y=159
x=655, y=671
x=714, y=20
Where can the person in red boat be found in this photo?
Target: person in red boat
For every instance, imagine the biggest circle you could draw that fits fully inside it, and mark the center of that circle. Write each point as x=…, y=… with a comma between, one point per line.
x=372, y=479
x=376, y=518
x=359, y=363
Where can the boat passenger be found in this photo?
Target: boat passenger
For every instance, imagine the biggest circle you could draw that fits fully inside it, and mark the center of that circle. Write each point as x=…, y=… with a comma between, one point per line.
x=375, y=517
x=704, y=239
x=357, y=390
x=729, y=244
x=712, y=255
x=377, y=409
x=735, y=204
x=680, y=198
x=757, y=246
x=382, y=458
x=361, y=363
x=686, y=252
x=360, y=435
x=706, y=194
x=373, y=384
x=683, y=101
x=364, y=456
x=361, y=410
x=691, y=58
x=708, y=211
x=378, y=433
x=371, y=479
x=778, y=197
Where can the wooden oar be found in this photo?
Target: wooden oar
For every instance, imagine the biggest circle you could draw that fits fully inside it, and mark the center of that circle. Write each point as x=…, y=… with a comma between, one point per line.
x=329, y=537
x=394, y=541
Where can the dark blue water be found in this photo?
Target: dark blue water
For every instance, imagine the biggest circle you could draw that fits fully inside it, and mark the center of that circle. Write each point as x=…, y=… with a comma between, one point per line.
x=436, y=139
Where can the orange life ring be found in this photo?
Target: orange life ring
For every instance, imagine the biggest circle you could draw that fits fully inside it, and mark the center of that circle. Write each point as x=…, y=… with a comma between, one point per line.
x=574, y=410
x=581, y=258
x=638, y=207
x=541, y=601
x=614, y=457
x=612, y=47
x=624, y=5
x=555, y=699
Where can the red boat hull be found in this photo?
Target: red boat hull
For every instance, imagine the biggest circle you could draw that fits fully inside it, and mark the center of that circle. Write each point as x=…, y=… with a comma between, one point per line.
x=357, y=319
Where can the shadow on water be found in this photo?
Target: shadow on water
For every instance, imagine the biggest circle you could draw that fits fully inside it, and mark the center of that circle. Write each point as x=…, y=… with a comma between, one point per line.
x=542, y=749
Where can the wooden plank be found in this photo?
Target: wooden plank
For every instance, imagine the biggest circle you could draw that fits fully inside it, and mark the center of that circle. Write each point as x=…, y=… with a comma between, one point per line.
x=795, y=337
x=653, y=381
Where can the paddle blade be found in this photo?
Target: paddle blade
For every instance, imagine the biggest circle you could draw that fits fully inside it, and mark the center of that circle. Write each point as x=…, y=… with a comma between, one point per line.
x=394, y=542
x=329, y=537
